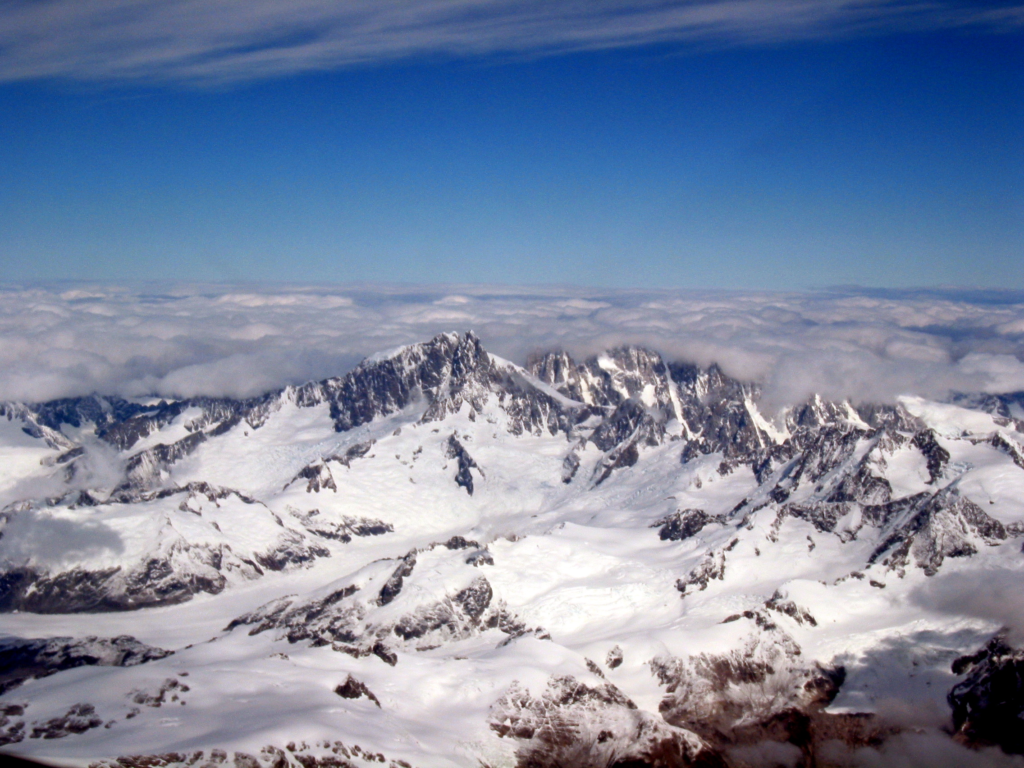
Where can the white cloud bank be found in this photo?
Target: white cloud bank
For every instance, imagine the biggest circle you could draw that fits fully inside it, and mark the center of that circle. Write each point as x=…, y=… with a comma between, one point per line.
x=227, y=40
x=59, y=341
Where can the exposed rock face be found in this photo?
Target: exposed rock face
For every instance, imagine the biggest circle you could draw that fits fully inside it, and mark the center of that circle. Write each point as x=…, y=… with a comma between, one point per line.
x=393, y=585
x=1007, y=407
x=630, y=388
x=615, y=658
x=354, y=689
x=122, y=423
x=22, y=660
x=988, y=704
x=573, y=724
x=763, y=693
x=79, y=719
x=378, y=618
x=685, y=524
x=155, y=582
x=716, y=409
x=630, y=421
x=936, y=456
x=448, y=372
x=941, y=526
x=606, y=380
x=319, y=478
x=144, y=468
x=34, y=424
x=341, y=530
x=463, y=476
x=12, y=726
x=1009, y=446
x=763, y=677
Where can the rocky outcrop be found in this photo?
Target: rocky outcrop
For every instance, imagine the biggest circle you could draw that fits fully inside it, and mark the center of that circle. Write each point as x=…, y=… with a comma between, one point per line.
x=573, y=724
x=35, y=426
x=449, y=372
x=765, y=675
x=685, y=524
x=763, y=693
x=318, y=476
x=988, y=704
x=23, y=659
x=393, y=585
x=354, y=689
x=463, y=477
x=945, y=525
x=144, y=468
x=607, y=380
x=377, y=617
x=343, y=529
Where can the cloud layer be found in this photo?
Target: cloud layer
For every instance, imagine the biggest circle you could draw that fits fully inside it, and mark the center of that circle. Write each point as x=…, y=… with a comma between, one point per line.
x=224, y=40
x=59, y=341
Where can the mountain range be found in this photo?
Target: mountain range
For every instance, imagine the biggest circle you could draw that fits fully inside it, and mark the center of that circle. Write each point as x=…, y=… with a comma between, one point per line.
x=443, y=558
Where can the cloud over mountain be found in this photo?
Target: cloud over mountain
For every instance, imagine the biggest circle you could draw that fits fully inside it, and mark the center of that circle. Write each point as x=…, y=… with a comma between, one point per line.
x=243, y=340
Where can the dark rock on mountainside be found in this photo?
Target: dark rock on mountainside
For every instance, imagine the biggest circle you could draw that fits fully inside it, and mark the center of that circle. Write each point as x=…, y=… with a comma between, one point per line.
x=1010, y=447
x=361, y=622
x=354, y=689
x=573, y=724
x=145, y=467
x=447, y=372
x=941, y=526
x=78, y=719
x=22, y=660
x=393, y=585
x=163, y=579
x=936, y=456
x=123, y=423
x=622, y=457
x=607, y=380
x=320, y=754
x=988, y=704
x=463, y=477
x=629, y=421
x=684, y=524
x=318, y=476
x=1007, y=406
x=763, y=693
x=342, y=530
x=154, y=582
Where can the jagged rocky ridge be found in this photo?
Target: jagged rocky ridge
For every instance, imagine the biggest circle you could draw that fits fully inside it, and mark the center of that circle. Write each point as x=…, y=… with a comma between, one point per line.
x=374, y=613
x=442, y=442
x=575, y=724
x=22, y=660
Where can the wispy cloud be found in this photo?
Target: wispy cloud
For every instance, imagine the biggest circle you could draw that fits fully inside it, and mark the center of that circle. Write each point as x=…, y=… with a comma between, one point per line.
x=225, y=40
x=240, y=341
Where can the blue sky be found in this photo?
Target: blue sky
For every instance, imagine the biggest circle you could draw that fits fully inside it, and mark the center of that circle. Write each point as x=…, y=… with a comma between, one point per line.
x=771, y=152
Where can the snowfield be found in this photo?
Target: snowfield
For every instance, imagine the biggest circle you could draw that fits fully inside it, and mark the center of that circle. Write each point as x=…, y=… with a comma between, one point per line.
x=443, y=559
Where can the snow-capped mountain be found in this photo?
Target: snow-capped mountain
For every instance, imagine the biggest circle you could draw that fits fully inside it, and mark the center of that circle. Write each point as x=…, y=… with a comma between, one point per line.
x=442, y=558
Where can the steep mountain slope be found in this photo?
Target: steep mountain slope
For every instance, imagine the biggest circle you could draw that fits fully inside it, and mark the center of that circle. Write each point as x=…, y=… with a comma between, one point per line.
x=442, y=558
